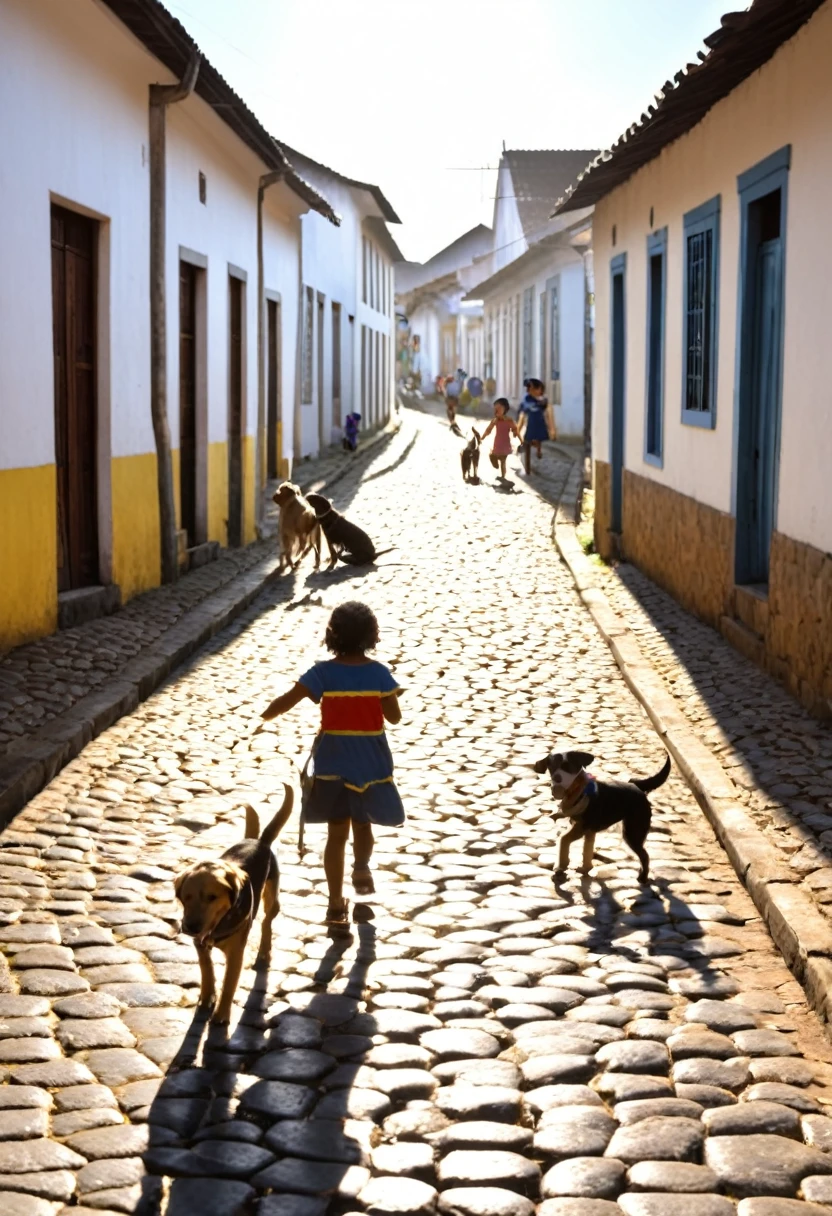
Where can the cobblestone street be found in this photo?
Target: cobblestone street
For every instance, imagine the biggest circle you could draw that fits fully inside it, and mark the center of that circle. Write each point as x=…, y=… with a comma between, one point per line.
x=487, y=1043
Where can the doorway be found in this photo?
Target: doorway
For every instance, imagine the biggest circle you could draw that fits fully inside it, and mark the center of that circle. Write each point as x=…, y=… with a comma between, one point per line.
x=760, y=378
x=235, y=412
x=273, y=437
x=617, y=388
x=320, y=360
x=74, y=244
x=337, y=420
x=187, y=401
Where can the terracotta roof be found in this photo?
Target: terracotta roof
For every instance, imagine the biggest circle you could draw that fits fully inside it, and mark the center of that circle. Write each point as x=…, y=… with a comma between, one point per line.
x=540, y=178
x=300, y=158
x=169, y=42
x=743, y=43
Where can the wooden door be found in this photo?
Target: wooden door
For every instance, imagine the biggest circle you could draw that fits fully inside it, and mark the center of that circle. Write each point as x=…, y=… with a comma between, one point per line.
x=323, y=440
x=235, y=411
x=74, y=242
x=273, y=388
x=617, y=402
x=187, y=400
x=337, y=419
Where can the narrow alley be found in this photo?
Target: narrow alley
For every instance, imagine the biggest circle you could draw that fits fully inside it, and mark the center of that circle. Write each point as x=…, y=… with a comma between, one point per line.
x=487, y=1043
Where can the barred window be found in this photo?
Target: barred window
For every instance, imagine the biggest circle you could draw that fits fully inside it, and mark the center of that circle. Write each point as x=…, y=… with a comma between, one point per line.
x=700, y=330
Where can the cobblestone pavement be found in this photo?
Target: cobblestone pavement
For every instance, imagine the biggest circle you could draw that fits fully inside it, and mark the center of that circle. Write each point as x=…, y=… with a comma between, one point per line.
x=778, y=756
x=40, y=681
x=488, y=1043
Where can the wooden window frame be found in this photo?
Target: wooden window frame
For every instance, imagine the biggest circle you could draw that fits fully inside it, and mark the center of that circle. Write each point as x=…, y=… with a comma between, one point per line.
x=703, y=220
x=654, y=392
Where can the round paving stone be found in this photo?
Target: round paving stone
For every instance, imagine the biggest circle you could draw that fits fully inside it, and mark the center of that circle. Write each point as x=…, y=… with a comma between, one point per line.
x=32, y=1156
x=229, y=1159
x=495, y=1103
x=817, y=1131
x=787, y=1071
x=657, y=1139
x=483, y=1201
x=747, y=1118
x=209, y=1197
x=415, y=1124
x=408, y=1160
x=779, y=1207
x=12, y=1204
x=125, y=1140
x=669, y=1204
x=460, y=1044
x=104, y=1175
x=701, y=1043
x=495, y=1167
x=405, y=1084
x=484, y=1135
x=398, y=1055
x=352, y=1104
x=313, y=1178
x=676, y=1176
x=89, y=1005
x=817, y=1188
x=634, y=1057
x=724, y=1074
x=557, y=1069
x=633, y=1112
x=398, y=1197
x=788, y=1095
x=52, y=983
x=764, y=1043
x=723, y=1016
x=762, y=1165
x=317, y=1140
x=278, y=1100
x=584, y=1177
x=294, y=1064
x=576, y=1138
x=578, y=1207
x=623, y=1087
x=479, y=1072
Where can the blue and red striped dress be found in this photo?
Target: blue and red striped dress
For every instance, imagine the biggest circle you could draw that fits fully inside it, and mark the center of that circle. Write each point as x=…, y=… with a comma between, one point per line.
x=353, y=764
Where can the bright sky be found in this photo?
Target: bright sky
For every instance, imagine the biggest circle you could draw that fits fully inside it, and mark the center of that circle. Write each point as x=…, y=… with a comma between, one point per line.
x=418, y=97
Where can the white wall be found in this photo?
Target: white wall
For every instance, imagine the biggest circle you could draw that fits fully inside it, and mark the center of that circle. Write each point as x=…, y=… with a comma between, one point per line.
x=788, y=101
x=509, y=241
x=73, y=130
x=502, y=317
x=425, y=322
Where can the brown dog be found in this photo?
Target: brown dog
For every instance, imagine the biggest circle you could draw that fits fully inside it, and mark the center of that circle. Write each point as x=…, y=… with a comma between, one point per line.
x=299, y=528
x=220, y=901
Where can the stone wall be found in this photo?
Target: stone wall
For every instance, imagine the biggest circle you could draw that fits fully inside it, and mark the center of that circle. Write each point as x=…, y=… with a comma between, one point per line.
x=683, y=545
x=602, y=485
x=799, y=633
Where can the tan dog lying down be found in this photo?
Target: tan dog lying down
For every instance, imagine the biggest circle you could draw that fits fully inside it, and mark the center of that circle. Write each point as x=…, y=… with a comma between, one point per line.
x=220, y=900
x=299, y=527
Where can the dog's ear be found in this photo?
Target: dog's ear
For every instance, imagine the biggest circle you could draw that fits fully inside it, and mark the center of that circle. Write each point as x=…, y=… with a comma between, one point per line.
x=541, y=766
x=232, y=877
x=178, y=881
x=584, y=758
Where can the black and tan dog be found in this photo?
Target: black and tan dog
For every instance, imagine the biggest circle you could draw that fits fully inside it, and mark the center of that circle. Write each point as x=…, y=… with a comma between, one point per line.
x=220, y=900
x=347, y=542
x=594, y=805
x=470, y=457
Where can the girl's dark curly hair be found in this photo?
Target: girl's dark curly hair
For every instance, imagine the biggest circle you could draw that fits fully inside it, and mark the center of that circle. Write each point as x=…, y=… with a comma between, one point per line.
x=352, y=629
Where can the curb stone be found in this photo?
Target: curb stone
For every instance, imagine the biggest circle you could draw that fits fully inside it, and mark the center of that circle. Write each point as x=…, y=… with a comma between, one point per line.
x=800, y=931
x=24, y=774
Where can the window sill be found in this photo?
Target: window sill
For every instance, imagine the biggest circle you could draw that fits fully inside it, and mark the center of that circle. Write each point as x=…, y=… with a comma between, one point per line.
x=704, y=420
x=657, y=462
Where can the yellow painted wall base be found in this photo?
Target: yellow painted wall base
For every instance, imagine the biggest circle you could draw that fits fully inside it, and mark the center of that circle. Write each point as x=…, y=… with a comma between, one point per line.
x=28, y=554
x=136, y=560
x=249, y=529
x=218, y=492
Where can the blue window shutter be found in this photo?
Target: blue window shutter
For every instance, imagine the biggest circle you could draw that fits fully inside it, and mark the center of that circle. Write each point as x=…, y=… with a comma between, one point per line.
x=656, y=306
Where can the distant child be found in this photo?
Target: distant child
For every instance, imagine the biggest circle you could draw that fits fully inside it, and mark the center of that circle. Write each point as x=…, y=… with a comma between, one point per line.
x=503, y=428
x=351, y=424
x=353, y=782
x=534, y=413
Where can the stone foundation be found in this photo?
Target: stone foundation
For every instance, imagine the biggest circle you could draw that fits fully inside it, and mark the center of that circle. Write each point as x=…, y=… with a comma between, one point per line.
x=602, y=486
x=688, y=549
x=798, y=637
x=681, y=544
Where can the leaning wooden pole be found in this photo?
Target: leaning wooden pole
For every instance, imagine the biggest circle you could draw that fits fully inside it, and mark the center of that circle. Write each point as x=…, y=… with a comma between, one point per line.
x=161, y=96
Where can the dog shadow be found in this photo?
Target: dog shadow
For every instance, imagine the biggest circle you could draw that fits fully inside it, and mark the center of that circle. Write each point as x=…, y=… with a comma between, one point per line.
x=339, y=574
x=199, y=1097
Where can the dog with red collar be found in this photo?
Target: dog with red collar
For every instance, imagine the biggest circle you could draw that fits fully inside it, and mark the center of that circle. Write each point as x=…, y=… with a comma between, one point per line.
x=595, y=805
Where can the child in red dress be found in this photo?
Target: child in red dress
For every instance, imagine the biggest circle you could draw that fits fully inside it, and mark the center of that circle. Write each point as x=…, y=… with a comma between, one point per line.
x=503, y=428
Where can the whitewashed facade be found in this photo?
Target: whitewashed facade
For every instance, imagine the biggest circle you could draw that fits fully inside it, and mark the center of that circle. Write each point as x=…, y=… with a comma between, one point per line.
x=347, y=333
x=712, y=441
x=78, y=461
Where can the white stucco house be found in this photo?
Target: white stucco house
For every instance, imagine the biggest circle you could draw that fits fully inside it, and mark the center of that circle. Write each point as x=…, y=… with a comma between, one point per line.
x=347, y=326
x=712, y=440
x=537, y=300
x=443, y=332
x=147, y=217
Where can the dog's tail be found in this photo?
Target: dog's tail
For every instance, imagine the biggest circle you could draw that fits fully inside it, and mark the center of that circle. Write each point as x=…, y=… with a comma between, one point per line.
x=381, y=552
x=648, y=784
x=456, y=430
x=272, y=829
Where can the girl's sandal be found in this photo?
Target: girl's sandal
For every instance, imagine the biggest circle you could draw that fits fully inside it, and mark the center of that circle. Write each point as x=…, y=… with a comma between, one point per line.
x=338, y=918
x=362, y=881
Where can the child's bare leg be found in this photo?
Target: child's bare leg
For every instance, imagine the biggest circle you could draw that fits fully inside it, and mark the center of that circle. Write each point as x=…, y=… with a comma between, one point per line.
x=538, y=448
x=362, y=851
x=527, y=457
x=336, y=844
x=502, y=461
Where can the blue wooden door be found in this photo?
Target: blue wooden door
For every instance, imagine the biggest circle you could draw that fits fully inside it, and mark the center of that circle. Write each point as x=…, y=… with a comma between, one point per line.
x=617, y=398
x=758, y=463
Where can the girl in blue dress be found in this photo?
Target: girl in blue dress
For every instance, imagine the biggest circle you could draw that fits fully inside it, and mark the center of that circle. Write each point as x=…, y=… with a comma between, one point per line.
x=533, y=411
x=353, y=783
